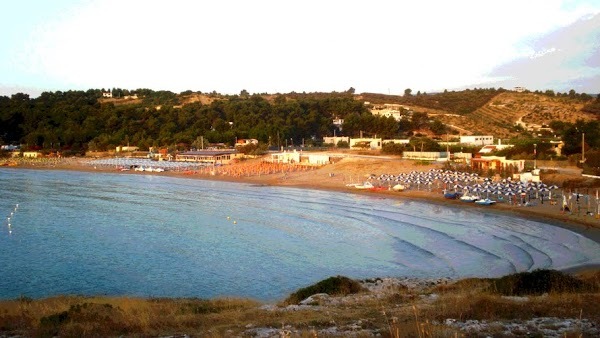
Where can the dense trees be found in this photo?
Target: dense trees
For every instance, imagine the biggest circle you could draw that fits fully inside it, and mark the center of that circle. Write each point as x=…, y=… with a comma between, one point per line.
x=78, y=120
x=82, y=120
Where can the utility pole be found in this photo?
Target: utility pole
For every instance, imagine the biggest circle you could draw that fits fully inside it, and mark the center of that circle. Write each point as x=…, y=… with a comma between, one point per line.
x=535, y=156
x=582, y=147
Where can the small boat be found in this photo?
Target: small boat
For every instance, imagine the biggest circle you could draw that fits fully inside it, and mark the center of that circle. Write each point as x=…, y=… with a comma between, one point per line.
x=398, y=187
x=451, y=195
x=485, y=201
x=366, y=185
x=469, y=198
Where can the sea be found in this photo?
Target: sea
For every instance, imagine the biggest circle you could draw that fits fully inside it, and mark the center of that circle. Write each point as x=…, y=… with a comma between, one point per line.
x=82, y=233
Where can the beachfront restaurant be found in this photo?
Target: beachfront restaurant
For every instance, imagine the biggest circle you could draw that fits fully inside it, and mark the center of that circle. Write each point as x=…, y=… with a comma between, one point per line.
x=300, y=158
x=221, y=156
x=496, y=163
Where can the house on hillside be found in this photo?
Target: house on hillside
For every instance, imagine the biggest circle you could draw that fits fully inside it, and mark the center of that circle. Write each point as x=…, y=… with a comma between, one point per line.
x=107, y=94
x=338, y=122
x=494, y=147
x=397, y=111
x=477, y=140
x=245, y=141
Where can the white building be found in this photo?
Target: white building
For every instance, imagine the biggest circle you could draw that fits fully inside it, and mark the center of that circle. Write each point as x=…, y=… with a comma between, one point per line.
x=294, y=157
x=390, y=110
x=107, y=94
x=425, y=155
x=366, y=143
x=397, y=141
x=477, y=140
x=336, y=139
x=245, y=141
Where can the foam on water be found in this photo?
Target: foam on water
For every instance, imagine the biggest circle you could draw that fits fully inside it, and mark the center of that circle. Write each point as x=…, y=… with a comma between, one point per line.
x=86, y=233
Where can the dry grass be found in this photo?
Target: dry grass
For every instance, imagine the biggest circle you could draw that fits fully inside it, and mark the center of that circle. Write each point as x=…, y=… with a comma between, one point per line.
x=500, y=114
x=401, y=312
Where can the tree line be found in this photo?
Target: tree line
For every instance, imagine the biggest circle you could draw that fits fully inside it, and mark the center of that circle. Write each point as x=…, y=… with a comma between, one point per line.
x=81, y=120
x=77, y=121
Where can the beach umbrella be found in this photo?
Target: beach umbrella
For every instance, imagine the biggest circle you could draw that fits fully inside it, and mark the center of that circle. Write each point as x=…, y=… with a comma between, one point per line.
x=487, y=191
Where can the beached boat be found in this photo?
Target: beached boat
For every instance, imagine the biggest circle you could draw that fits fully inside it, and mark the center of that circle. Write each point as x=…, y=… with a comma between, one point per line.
x=469, y=198
x=451, y=195
x=366, y=185
x=398, y=187
x=485, y=201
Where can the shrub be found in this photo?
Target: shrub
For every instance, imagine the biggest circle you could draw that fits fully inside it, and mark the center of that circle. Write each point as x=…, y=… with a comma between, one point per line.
x=538, y=282
x=338, y=285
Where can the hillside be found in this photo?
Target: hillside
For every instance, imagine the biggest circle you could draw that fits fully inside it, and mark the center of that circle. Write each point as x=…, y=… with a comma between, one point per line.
x=503, y=112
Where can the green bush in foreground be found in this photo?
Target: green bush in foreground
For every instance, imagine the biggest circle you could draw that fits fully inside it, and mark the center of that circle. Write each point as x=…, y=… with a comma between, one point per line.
x=539, y=282
x=339, y=286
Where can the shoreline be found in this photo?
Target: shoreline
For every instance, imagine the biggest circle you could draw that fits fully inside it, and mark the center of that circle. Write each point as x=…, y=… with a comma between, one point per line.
x=332, y=178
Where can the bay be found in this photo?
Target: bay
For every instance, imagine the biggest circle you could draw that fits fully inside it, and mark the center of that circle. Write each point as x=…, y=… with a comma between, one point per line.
x=154, y=236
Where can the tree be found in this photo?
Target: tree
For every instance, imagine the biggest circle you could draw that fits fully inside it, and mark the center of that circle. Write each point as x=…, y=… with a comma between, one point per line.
x=437, y=127
x=407, y=92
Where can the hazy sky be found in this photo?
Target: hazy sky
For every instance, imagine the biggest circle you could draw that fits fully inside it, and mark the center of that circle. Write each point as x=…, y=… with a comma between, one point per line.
x=292, y=45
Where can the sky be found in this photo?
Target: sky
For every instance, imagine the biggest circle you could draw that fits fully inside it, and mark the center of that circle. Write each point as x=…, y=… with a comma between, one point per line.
x=279, y=46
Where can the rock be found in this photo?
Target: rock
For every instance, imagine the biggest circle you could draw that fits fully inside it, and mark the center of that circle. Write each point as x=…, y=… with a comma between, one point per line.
x=316, y=299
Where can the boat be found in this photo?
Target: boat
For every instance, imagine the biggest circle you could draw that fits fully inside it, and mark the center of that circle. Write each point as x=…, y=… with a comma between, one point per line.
x=469, y=198
x=451, y=195
x=378, y=188
x=398, y=187
x=366, y=185
x=485, y=201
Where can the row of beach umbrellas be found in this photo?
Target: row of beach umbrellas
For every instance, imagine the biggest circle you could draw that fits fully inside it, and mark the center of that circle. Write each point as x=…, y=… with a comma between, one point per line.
x=466, y=182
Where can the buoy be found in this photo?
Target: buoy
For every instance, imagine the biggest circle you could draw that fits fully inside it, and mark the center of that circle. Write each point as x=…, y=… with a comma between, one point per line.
x=228, y=217
x=234, y=222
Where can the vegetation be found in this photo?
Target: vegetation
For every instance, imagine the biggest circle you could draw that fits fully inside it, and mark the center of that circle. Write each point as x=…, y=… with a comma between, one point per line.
x=81, y=121
x=457, y=102
x=539, y=282
x=76, y=121
x=335, y=286
x=398, y=312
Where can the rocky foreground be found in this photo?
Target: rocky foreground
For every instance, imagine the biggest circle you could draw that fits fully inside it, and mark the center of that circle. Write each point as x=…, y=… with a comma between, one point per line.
x=421, y=294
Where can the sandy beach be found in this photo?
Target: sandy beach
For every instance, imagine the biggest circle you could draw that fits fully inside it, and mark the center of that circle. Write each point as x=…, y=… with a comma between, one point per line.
x=335, y=177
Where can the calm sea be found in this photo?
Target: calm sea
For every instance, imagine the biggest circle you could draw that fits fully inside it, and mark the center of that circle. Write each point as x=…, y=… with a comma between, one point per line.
x=153, y=236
